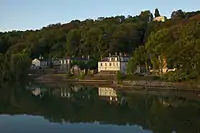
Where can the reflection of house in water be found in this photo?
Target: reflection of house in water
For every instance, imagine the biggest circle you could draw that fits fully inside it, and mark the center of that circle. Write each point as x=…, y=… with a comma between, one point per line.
x=76, y=88
x=38, y=91
x=108, y=92
x=111, y=95
x=164, y=102
x=64, y=92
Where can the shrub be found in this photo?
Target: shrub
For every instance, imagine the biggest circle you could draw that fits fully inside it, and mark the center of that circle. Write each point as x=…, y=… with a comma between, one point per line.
x=69, y=74
x=119, y=76
x=179, y=76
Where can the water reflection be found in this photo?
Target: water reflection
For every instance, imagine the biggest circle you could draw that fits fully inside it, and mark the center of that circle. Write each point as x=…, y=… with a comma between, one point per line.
x=108, y=92
x=88, y=104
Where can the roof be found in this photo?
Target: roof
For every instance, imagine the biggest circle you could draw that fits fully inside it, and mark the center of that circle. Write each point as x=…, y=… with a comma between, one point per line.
x=40, y=59
x=45, y=60
x=35, y=60
x=75, y=58
x=106, y=59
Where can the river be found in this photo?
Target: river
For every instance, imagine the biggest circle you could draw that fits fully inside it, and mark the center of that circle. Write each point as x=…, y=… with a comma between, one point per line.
x=90, y=109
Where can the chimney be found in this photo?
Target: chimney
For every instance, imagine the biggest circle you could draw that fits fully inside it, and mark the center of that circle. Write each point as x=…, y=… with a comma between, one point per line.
x=109, y=54
x=115, y=53
x=82, y=56
x=88, y=57
x=120, y=54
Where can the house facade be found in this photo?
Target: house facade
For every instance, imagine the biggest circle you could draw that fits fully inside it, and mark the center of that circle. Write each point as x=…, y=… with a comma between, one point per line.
x=36, y=63
x=65, y=63
x=113, y=63
x=44, y=63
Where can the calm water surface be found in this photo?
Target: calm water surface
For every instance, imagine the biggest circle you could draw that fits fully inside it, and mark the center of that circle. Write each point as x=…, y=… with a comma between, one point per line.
x=87, y=109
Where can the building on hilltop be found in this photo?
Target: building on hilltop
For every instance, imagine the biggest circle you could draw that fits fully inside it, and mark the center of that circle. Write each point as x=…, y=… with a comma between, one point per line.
x=160, y=19
x=114, y=64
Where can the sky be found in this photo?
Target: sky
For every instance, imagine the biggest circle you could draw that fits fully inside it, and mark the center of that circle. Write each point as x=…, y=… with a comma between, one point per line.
x=35, y=14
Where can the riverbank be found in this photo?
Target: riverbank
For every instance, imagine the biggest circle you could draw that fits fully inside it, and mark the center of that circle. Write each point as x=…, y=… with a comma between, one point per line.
x=111, y=82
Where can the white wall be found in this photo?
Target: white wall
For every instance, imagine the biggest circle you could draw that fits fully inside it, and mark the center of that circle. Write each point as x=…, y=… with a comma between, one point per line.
x=115, y=66
x=123, y=67
x=108, y=66
x=63, y=61
x=43, y=63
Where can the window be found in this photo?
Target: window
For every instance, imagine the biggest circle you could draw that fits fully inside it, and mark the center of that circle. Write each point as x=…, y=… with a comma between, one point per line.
x=105, y=64
x=101, y=64
x=116, y=64
x=110, y=64
x=113, y=64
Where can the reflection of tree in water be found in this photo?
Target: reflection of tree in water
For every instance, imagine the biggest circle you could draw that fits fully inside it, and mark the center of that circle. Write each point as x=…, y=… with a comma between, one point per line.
x=160, y=114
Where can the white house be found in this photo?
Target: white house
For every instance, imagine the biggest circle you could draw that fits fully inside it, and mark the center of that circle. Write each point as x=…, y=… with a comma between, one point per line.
x=114, y=63
x=36, y=63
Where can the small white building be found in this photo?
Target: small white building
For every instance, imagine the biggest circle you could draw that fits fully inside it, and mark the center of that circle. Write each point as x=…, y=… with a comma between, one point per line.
x=160, y=19
x=114, y=63
x=36, y=62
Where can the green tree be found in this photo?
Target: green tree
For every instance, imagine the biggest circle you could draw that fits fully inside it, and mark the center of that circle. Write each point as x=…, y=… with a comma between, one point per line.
x=157, y=13
x=119, y=76
x=140, y=58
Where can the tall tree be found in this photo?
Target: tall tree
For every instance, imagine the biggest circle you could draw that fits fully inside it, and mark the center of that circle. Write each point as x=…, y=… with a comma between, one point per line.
x=157, y=13
x=179, y=14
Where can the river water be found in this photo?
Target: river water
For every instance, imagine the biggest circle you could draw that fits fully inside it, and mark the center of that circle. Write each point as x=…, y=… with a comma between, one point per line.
x=88, y=109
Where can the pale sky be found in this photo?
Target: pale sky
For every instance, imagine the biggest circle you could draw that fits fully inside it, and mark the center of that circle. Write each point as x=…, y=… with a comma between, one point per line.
x=35, y=14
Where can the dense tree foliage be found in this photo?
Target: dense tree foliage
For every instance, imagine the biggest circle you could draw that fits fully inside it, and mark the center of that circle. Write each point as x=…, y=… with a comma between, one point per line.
x=89, y=37
x=14, y=67
x=176, y=41
x=97, y=38
x=180, y=45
